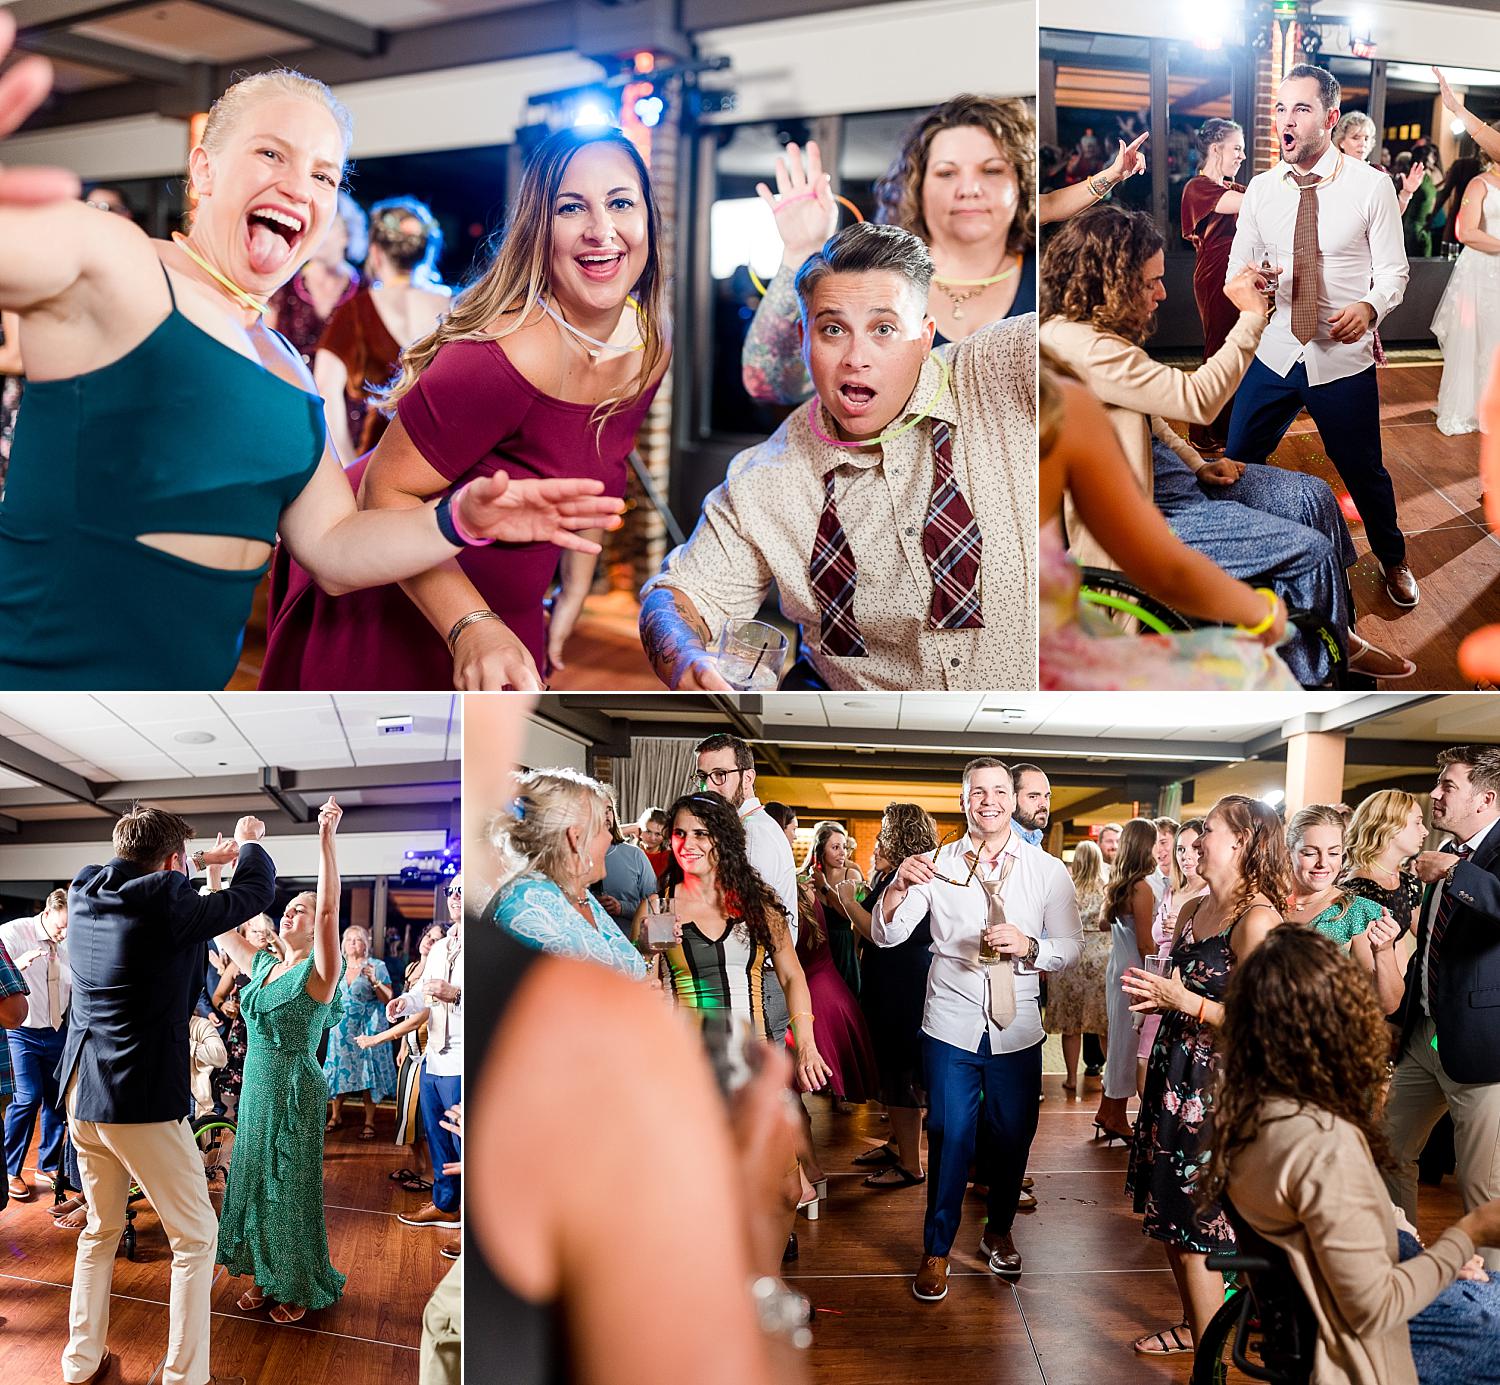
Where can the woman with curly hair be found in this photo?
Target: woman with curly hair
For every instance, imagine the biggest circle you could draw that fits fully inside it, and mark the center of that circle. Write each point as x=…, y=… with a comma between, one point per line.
x=1101, y=282
x=1299, y=1149
x=893, y=993
x=728, y=922
x=964, y=181
x=1388, y=829
x=1315, y=843
x=1242, y=859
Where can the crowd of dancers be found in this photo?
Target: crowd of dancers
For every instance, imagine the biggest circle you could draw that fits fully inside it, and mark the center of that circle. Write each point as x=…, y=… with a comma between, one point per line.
x=373, y=429
x=1285, y=1011
x=1294, y=272
x=155, y=1027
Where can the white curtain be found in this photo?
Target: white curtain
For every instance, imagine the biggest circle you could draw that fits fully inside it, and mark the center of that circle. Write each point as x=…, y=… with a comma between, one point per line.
x=1169, y=802
x=654, y=775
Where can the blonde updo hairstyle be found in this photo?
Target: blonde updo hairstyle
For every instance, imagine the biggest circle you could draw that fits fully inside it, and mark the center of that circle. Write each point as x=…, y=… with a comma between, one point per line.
x=531, y=831
x=238, y=99
x=1314, y=815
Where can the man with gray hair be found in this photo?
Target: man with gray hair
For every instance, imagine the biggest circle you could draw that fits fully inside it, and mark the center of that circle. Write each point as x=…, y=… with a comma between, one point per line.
x=895, y=513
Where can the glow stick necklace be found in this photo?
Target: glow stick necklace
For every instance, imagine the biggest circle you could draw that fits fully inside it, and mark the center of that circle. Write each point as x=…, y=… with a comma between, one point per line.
x=241, y=296
x=584, y=336
x=817, y=432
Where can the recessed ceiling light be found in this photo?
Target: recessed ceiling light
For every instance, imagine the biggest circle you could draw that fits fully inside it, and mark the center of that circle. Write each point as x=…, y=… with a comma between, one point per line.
x=193, y=737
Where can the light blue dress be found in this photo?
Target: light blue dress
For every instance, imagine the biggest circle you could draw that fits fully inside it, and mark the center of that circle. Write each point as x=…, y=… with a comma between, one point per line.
x=348, y=1067
x=535, y=911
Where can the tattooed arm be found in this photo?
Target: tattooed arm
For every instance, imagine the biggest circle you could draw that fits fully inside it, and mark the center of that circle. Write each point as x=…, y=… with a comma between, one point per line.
x=675, y=638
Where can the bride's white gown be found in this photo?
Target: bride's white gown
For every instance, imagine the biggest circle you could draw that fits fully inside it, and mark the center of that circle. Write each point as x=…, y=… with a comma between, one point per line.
x=1467, y=326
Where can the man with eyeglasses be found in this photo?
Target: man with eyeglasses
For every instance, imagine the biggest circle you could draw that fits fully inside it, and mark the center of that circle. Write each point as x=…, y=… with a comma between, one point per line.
x=982, y=1050
x=726, y=767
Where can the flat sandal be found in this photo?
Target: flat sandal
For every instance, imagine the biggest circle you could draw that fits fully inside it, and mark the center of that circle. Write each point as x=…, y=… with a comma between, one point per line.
x=1176, y=1346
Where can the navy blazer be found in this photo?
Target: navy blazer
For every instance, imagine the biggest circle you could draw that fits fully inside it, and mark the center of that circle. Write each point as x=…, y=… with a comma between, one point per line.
x=137, y=942
x=1464, y=990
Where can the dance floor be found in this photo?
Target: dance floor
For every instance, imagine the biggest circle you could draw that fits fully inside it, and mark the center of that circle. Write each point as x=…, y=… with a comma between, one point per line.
x=1438, y=496
x=371, y=1335
x=1092, y=1282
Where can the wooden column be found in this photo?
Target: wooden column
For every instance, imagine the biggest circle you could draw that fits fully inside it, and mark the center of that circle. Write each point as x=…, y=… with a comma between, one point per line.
x=1314, y=769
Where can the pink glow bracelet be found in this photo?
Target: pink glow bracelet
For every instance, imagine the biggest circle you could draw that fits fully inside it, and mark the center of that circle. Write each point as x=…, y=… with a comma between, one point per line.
x=795, y=197
x=451, y=503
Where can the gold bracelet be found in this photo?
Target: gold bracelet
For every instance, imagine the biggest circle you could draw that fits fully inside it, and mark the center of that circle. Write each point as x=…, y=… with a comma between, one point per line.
x=801, y=1014
x=1273, y=604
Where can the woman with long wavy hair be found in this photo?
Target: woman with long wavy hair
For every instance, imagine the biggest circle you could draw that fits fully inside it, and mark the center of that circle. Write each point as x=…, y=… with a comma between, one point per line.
x=1078, y=999
x=728, y=922
x=1129, y=906
x=1388, y=829
x=1299, y=1149
x=1242, y=859
x=835, y=878
x=545, y=366
x=964, y=180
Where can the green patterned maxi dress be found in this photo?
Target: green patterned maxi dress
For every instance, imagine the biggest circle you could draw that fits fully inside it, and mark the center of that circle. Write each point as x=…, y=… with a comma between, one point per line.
x=272, y=1224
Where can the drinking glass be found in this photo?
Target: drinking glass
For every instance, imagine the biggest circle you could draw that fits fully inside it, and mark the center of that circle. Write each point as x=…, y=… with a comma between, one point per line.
x=750, y=655
x=1267, y=259
x=1158, y=963
x=661, y=925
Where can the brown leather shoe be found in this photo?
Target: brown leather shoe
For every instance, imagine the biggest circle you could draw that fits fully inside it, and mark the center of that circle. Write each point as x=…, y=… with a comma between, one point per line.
x=931, y=1283
x=1026, y=1202
x=1028, y=1182
x=452, y=1250
x=429, y=1214
x=1401, y=585
x=226, y=1380
x=999, y=1252
x=19, y=1188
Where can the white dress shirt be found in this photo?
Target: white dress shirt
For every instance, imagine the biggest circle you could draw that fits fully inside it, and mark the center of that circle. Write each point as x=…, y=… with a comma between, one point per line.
x=1039, y=900
x=22, y=935
x=445, y=1025
x=1435, y=902
x=771, y=855
x=1360, y=247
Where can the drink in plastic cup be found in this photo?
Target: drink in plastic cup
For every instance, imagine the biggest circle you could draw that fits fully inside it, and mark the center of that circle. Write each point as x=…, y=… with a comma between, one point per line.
x=750, y=655
x=661, y=928
x=1158, y=964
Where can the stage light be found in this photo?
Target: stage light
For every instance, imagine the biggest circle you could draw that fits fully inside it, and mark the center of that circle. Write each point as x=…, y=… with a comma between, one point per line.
x=591, y=115
x=648, y=110
x=1207, y=21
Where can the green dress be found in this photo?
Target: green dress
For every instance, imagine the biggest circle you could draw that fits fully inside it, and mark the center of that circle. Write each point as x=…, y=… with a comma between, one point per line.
x=1346, y=918
x=272, y=1224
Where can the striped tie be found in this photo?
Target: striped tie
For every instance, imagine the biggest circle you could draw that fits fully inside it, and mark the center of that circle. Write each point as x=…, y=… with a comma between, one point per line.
x=952, y=543
x=1305, y=259
x=1445, y=911
x=833, y=573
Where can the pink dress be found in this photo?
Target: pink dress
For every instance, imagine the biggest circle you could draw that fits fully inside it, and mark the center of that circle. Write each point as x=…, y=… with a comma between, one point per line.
x=471, y=414
x=839, y=1027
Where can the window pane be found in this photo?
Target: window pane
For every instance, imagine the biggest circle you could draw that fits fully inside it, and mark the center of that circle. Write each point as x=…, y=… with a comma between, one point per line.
x=742, y=238
x=1102, y=95
x=868, y=146
x=1200, y=85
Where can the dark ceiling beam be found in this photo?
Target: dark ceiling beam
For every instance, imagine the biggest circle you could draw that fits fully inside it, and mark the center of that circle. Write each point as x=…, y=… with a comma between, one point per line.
x=39, y=15
x=605, y=734
x=287, y=799
x=109, y=57
x=1033, y=747
x=1106, y=798
x=441, y=775
x=1362, y=750
x=9, y=824
x=710, y=14
x=40, y=770
x=306, y=21
x=743, y=713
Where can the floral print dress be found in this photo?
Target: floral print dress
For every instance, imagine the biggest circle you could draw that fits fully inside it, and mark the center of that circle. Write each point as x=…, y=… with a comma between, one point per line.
x=1174, y=1131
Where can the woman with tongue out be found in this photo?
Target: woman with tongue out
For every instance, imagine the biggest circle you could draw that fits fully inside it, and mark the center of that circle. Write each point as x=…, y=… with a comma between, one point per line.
x=168, y=437
x=544, y=367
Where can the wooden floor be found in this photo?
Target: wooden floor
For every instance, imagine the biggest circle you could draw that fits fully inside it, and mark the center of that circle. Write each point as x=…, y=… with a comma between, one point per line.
x=1438, y=497
x=370, y=1337
x=1092, y=1282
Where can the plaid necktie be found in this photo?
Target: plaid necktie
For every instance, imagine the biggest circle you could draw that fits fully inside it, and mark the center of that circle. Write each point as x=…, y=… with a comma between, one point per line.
x=952, y=543
x=1446, y=907
x=1305, y=259
x=833, y=573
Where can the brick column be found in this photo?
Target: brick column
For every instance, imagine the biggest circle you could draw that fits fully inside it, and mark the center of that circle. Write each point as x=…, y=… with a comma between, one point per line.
x=1264, y=149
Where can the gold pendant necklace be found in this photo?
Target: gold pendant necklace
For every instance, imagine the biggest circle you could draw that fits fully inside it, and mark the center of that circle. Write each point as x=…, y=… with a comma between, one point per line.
x=241, y=296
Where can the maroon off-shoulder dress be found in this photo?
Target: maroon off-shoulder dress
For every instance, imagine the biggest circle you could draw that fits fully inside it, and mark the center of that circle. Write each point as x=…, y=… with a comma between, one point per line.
x=1211, y=234
x=471, y=414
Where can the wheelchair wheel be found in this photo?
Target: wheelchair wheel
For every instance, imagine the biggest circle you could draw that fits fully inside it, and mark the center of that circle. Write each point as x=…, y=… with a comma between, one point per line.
x=129, y=1239
x=209, y=1132
x=1214, y=1361
x=1116, y=592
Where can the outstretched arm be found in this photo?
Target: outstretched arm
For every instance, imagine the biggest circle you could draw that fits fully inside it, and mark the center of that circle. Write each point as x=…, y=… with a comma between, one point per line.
x=327, y=967
x=194, y=918
x=1485, y=136
x=1061, y=203
x=675, y=638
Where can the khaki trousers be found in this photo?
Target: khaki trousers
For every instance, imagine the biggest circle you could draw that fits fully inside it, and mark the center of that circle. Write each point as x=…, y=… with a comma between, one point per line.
x=1420, y=1092
x=442, y=1330
x=163, y=1159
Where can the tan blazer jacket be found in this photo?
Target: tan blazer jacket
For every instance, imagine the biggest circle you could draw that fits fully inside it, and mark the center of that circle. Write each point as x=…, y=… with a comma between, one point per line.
x=1138, y=393
x=1309, y=1185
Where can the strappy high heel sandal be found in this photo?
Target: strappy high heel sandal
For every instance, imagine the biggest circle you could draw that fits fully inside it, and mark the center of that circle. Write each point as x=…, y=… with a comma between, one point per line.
x=286, y=1313
x=250, y=1301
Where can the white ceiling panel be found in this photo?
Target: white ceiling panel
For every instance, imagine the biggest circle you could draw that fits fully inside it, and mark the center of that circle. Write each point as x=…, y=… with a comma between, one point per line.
x=150, y=709
x=49, y=713
x=14, y=781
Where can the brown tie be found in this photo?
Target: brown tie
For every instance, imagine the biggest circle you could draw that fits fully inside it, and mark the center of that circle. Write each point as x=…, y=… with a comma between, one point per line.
x=1305, y=259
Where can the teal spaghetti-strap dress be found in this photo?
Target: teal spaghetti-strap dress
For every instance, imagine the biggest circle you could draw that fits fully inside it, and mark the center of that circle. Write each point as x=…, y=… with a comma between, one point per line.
x=272, y=1225
x=181, y=435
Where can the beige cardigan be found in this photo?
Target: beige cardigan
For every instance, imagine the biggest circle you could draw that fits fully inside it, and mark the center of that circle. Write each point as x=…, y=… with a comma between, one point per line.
x=1309, y=1185
x=1138, y=393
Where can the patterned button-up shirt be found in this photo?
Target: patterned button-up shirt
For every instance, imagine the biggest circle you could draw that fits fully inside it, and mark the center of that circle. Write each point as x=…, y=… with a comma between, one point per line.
x=11, y=983
x=759, y=527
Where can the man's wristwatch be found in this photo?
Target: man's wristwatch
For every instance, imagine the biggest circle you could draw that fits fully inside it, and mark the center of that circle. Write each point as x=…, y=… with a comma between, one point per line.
x=200, y=860
x=1032, y=949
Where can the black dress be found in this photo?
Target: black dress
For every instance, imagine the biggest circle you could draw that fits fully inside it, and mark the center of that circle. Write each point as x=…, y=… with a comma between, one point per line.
x=1403, y=901
x=893, y=996
x=1174, y=1131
